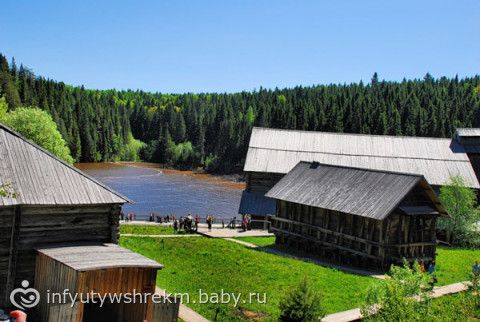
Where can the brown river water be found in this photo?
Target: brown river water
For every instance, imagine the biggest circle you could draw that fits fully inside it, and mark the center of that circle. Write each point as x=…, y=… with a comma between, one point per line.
x=165, y=191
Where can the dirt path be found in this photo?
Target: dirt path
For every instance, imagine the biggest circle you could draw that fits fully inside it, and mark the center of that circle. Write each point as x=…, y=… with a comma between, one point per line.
x=185, y=313
x=354, y=314
x=160, y=236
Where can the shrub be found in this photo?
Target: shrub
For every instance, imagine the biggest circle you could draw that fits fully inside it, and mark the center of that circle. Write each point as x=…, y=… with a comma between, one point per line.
x=404, y=296
x=301, y=304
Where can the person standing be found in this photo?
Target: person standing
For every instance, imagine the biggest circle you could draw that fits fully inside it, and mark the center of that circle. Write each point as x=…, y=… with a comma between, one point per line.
x=175, y=225
x=476, y=269
x=197, y=221
x=209, y=222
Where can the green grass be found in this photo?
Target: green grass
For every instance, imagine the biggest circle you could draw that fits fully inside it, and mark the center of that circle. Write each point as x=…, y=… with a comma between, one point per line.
x=259, y=241
x=146, y=229
x=215, y=264
x=455, y=264
x=455, y=307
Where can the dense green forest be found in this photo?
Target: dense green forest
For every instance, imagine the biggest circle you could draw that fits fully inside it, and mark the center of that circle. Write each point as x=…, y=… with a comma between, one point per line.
x=212, y=130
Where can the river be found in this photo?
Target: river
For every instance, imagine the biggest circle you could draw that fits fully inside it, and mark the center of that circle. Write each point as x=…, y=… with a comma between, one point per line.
x=168, y=191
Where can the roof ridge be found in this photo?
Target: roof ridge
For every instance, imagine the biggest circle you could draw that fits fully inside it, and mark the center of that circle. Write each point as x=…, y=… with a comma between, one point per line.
x=347, y=133
x=364, y=169
x=18, y=135
x=359, y=155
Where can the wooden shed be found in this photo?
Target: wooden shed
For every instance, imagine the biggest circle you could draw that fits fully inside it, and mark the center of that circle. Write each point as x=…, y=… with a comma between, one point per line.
x=272, y=153
x=90, y=271
x=50, y=202
x=361, y=217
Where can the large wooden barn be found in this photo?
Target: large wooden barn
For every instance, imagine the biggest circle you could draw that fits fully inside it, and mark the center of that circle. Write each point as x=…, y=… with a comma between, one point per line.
x=360, y=217
x=58, y=229
x=274, y=152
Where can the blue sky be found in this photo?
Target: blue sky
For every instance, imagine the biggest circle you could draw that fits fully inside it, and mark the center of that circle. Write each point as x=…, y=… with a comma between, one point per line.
x=232, y=45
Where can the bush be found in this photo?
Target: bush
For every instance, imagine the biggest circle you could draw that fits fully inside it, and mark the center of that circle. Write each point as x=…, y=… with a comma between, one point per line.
x=461, y=204
x=404, y=296
x=301, y=304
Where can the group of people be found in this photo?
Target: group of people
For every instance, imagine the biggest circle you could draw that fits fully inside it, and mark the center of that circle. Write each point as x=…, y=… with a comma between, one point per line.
x=129, y=217
x=189, y=223
x=159, y=219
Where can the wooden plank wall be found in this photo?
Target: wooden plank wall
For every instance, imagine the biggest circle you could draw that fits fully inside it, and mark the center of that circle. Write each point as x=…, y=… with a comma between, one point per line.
x=55, y=277
x=122, y=280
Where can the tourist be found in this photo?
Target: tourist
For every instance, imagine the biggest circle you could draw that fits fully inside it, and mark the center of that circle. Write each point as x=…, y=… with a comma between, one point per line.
x=422, y=266
x=152, y=219
x=209, y=222
x=122, y=215
x=175, y=225
x=233, y=223
x=476, y=269
x=181, y=222
x=197, y=221
x=431, y=271
x=244, y=223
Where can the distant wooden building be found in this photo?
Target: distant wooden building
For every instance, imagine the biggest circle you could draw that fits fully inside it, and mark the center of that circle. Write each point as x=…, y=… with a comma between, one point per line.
x=272, y=153
x=360, y=217
x=469, y=139
x=56, y=206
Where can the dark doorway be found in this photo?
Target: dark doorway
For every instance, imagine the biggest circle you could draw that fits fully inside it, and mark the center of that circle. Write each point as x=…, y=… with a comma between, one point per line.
x=109, y=312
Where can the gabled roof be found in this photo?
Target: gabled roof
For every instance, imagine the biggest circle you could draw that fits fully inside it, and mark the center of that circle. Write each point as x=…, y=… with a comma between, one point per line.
x=363, y=192
x=93, y=256
x=278, y=151
x=37, y=177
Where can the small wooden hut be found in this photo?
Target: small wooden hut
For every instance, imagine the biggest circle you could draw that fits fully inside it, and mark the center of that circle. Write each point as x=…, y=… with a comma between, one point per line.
x=49, y=206
x=272, y=153
x=360, y=217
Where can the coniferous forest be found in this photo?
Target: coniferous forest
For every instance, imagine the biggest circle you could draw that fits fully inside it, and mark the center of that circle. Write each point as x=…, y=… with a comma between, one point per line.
x=212, y=130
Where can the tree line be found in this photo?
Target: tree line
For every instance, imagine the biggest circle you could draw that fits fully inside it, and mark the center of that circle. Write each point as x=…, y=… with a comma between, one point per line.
x=212, y=130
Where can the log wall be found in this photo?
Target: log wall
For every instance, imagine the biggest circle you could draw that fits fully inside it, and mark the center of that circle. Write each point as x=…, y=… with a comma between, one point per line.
x=261, y=181
x=23, y=228
x=355, y=240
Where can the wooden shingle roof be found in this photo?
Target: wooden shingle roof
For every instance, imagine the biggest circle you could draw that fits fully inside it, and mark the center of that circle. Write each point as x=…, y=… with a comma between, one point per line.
x=363, y=192
x=86, y=256
x=39, y=178
x=278, y=151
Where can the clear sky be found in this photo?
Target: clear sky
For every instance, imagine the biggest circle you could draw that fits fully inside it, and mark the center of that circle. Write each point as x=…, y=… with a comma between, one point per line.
x=232, y=45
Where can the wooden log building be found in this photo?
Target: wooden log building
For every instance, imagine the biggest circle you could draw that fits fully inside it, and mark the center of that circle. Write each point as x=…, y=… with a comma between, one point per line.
x=272, y=153
x=356, y=216
x=50, y=207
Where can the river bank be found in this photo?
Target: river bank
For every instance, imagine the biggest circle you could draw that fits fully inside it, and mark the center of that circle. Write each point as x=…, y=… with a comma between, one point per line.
x=168, y=191
x=234, y=181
